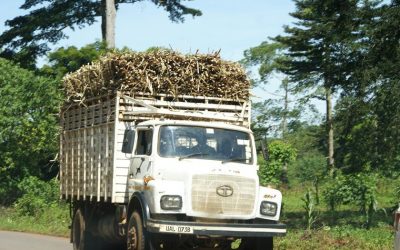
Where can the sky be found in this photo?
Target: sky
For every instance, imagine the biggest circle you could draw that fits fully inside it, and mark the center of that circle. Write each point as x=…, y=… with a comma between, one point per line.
x=231, y=26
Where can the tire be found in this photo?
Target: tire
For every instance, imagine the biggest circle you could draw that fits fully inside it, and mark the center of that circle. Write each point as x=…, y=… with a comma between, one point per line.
x=253, y=243
x=82, y=239
x=135, y=235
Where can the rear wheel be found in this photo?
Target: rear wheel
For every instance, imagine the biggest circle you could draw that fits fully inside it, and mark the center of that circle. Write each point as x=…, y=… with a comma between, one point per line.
x=82, y=239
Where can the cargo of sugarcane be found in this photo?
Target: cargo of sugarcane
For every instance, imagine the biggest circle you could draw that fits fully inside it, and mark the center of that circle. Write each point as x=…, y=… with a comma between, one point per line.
x=158, y=72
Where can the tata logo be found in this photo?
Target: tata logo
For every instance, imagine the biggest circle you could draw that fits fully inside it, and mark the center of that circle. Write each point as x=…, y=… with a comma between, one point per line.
x=225, y=191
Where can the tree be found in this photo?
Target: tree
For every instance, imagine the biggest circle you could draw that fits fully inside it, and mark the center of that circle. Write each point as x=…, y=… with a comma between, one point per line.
x=108, y=23
x=265, y=58
x=29, y=34
x=65, y=60
x=383, y=69
x=29, y=127
x=356, y=125
x=368, y=112
x=319, y=51
x=280, y=154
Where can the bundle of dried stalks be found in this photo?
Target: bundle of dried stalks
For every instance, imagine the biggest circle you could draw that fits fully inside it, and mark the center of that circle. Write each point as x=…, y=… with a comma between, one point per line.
x=159, y=72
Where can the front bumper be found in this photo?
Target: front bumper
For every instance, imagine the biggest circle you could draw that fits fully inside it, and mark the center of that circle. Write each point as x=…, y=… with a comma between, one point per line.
x=216, y=229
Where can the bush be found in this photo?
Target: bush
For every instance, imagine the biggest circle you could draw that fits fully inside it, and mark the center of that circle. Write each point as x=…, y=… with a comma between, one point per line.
x=312, y=168
x=357, y=189
x=37, y=196
x=281, y=154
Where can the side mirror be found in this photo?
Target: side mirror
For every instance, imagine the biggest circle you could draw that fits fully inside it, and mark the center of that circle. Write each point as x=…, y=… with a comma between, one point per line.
x=127, y=143
x=264, y=149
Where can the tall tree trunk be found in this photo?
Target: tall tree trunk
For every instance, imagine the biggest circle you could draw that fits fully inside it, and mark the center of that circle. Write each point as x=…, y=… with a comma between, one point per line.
x=285, y=84
x=108, y=22
x=329, y=130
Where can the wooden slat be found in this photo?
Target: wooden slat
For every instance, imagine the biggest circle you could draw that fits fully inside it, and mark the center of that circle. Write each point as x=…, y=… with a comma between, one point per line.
x=85, y=160
x=92, y=162
x=115, y=150
x=140, y=109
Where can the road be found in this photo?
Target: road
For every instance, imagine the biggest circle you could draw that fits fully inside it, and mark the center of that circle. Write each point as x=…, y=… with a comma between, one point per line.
x=23, y=241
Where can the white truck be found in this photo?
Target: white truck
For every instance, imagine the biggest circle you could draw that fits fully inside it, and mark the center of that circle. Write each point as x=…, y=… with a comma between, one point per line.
x=162, y=172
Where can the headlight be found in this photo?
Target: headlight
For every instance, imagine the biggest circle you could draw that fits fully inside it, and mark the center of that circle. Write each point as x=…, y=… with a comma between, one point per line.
x=171, y=202
x=268, y=208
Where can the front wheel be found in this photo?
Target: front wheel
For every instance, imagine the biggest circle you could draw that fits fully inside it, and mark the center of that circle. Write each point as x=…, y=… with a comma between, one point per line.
x=136, y=239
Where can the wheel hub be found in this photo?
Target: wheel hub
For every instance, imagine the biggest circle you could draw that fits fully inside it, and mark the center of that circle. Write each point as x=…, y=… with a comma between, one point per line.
x=132, y=239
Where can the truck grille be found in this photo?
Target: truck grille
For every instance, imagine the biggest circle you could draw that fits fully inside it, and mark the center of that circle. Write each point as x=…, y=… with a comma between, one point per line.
x=205, y=198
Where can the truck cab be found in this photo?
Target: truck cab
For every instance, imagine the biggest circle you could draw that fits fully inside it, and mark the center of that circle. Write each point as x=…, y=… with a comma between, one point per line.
x=198, y=179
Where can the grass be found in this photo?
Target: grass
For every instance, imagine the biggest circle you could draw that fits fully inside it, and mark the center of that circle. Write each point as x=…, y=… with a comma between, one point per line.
x=343, y=237
x=344, y=228
x=54, y=221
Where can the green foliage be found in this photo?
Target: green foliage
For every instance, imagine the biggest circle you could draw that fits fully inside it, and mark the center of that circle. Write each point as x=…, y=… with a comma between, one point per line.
x=158, y=49
x=368, y=113
x=312, y=168
x=286, y=107
x=306, y=138
x=323, y=47
x=263, y=56
x=386, y=106
x=37, y=196
x=29, y=35
x=269, y=173
x=309, y=207
x=53, y=221
x=28, y=127
x=356, y=131
x=319, y=46
x=281, y=154
x=357, y=189
x=65, y=60
x=273, y=116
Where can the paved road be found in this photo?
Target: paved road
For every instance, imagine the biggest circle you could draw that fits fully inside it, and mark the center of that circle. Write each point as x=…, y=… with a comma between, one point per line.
x=23, y=241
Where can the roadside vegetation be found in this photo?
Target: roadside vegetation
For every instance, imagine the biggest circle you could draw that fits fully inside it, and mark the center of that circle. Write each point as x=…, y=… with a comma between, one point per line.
x=344, y=212
x=345, y=228
x=38, y=210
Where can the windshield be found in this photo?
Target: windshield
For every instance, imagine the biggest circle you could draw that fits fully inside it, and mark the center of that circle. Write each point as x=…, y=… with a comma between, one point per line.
x=205, y=143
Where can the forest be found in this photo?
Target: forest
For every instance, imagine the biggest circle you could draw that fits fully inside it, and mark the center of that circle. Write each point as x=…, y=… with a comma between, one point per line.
x=338, y=170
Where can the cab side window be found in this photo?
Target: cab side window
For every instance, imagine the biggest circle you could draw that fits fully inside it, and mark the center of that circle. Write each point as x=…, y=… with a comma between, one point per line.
x=144, y=141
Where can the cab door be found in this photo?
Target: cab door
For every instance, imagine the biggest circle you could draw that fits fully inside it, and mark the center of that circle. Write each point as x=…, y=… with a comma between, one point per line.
x=141, y=158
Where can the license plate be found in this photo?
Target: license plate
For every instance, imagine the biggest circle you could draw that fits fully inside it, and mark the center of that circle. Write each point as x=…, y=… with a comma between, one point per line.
x=176, y=229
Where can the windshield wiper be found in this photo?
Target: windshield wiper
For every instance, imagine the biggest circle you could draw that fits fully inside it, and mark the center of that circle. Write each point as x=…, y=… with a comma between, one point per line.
x=192, y=155
x=237, y=159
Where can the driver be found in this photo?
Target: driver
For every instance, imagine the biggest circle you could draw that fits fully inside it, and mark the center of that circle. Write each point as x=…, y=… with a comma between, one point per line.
x=202, y=147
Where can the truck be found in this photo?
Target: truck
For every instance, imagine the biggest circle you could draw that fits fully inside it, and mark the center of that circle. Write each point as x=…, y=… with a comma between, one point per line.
x=156, y=171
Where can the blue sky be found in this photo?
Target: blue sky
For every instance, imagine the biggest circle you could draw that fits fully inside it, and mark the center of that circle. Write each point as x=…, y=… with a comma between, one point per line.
x=229, y=25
